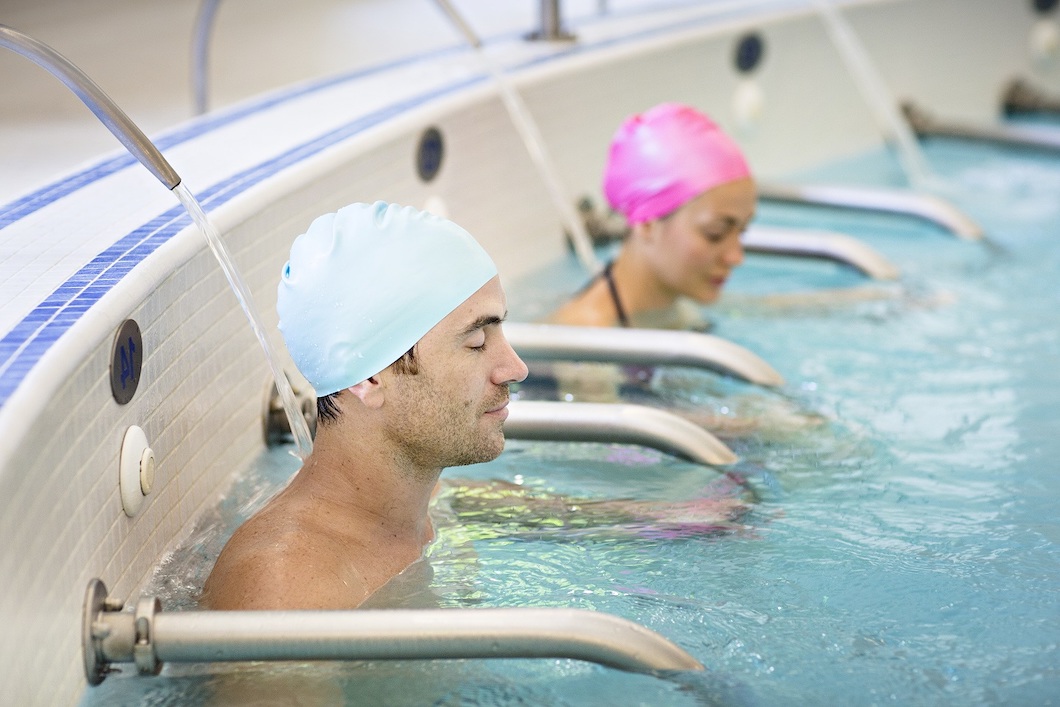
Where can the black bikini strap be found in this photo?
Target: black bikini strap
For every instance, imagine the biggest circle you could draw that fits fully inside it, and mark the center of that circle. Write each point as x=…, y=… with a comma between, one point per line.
x=623, y=319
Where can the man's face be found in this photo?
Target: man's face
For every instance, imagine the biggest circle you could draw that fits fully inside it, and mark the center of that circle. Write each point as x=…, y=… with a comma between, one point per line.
x=452, y=411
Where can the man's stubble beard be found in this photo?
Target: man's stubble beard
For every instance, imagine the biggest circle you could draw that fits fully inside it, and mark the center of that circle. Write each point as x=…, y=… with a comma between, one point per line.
x=427, y=436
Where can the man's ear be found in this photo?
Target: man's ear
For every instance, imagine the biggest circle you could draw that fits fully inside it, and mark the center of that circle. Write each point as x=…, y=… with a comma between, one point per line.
x=369, y=392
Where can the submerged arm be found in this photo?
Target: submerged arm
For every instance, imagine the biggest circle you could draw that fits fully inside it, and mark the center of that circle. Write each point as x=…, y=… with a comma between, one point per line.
x=514, y=508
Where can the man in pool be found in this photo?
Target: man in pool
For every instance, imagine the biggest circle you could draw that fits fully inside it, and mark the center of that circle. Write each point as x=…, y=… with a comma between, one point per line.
x=394, y=316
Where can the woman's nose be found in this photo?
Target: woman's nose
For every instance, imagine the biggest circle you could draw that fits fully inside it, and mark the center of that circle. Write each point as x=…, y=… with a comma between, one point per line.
x=734, y=254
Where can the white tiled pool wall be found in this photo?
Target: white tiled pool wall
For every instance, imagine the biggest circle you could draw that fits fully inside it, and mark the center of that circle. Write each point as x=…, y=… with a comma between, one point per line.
x=204, y=376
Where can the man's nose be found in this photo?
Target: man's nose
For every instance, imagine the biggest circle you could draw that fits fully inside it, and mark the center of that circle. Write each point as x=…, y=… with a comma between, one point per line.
x=511, y=368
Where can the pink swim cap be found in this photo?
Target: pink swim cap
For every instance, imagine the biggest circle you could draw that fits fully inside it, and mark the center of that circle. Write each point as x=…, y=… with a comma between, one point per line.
x=666, y=156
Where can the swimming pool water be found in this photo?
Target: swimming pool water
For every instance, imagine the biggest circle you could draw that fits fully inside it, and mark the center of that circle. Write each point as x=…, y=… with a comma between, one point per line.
x=905, y=550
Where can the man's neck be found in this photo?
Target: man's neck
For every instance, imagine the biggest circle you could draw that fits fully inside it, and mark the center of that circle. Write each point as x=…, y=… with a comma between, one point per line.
x=375, y=495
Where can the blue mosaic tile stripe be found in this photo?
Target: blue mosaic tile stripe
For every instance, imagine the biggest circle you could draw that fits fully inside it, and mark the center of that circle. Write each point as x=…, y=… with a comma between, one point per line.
x=31, y=338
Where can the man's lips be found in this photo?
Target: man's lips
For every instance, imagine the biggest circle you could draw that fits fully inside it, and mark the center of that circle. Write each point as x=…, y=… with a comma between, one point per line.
x=500, y=409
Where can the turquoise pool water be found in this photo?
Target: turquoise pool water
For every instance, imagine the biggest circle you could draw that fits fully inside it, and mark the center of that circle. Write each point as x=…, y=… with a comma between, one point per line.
x=905, y=550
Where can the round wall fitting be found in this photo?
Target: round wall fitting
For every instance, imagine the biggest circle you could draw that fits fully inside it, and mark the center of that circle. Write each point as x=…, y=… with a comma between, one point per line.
x=1045, y=39
x=136, y=475
x=276, y=426
x=429, y=154
x=126, y=361
x=1044, y=6
x=749, y=52
x=748, y=102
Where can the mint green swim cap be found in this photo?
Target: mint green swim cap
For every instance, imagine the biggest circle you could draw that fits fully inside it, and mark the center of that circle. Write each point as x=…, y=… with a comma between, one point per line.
x=364, y=284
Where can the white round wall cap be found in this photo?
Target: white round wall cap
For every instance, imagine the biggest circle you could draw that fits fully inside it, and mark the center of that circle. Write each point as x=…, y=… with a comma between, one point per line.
x=1045, y=39
x=136, y=465
x=748, y=102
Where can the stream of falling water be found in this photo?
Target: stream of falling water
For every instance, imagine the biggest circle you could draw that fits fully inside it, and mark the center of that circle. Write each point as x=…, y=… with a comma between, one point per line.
x=874, y=90
x=535, y=143
x=299, y=428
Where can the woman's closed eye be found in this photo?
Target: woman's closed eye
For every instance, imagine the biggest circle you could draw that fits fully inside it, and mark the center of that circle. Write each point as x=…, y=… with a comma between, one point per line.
x=717, y=235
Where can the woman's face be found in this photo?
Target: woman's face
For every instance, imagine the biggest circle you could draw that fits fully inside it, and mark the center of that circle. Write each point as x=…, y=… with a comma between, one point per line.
x=694, y=249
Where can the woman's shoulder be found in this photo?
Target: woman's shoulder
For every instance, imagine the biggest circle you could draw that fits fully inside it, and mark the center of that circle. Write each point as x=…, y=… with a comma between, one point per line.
x=587, y=308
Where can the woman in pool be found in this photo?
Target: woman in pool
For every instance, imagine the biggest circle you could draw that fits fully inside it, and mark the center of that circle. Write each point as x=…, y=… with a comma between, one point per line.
x=687, y=193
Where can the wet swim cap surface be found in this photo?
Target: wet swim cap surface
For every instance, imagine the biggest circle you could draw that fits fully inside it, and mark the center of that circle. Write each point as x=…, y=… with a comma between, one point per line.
x=666, y=156
x=364, y=284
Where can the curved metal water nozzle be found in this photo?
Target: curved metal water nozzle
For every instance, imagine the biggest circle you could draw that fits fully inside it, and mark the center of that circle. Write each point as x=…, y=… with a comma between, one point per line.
x=815, y=243
x=927, y=207
x=137, y=143
x=150, y=637
x=654, y=347
x=200, y=54
x=926, y=125
x=616, y=423
x=97, y=101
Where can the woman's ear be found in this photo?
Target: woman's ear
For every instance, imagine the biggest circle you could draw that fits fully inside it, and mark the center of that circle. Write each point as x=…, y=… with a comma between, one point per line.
x=369, y=392
x=647, y=233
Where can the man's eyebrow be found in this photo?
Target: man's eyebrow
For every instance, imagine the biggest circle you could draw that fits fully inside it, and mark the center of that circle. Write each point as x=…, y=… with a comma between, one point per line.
x=481, y=323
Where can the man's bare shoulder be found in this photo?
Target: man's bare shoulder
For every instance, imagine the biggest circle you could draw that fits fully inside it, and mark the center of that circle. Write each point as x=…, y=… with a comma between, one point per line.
x=277, y=562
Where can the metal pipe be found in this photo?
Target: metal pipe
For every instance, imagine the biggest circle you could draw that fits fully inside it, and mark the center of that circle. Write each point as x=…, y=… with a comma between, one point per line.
x=551, y=20
x=800, y=242
x=1007, y=136
x=616, y=422
x=838, y=247
x=151, y=637
x=906, y=203
x=551, y=27
x=556, y=342
x=97, y=101
x=1021, y=97
x=200, y=54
